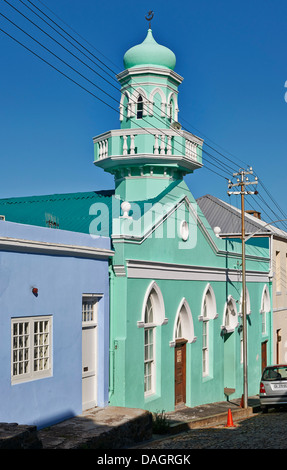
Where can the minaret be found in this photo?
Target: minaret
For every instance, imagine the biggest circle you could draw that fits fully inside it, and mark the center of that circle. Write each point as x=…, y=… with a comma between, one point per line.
x=150, y=150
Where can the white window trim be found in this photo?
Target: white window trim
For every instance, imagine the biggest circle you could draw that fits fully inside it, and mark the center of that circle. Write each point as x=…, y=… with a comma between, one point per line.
x=31, y=374
x=152, y=361
x=158, y=319
x=93, y=298
x=264, y=322
x=230, y=322
x=186, y=323
x=160, y=309
x=205, y=349
x=205, y=334
x=265, y=309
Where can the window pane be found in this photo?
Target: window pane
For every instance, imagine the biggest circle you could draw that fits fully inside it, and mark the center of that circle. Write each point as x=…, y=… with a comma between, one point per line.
x=149, y=311
x=89, y=309
x=19, y=352
x=41, y=345
x=140, y=108
x=31, y=348
x=149, y=359
x=178, y=333
x=204, y=335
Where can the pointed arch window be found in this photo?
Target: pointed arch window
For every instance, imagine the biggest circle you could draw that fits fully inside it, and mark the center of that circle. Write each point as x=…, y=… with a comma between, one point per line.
x=183, y=325
x=205, y=338
x=265, y=308
x=178, y=330
x=153, y=316
x=171, y=111
x=140, y=107
x=248, y=303
x=208, y=312
x=149, y=347
x=230, y=316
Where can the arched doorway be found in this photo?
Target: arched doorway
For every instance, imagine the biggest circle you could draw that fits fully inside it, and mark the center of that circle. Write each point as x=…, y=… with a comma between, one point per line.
x=183, y=333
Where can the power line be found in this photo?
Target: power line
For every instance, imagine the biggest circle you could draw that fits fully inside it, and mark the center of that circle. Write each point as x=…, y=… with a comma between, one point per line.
x=114, y=72
x=203, y=150
x=74, y=46
x=70, y=51
x=38, y=42
x=92, y=69
x=224, y=156
x=68, y=33
x=55, y=68
x=55, y=55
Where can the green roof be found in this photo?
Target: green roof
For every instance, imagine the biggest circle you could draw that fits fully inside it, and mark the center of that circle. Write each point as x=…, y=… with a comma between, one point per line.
x=69, y=211
x=73, y=211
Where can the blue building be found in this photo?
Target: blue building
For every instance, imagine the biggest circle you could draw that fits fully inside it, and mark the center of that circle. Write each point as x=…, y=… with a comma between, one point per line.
x=54, y=323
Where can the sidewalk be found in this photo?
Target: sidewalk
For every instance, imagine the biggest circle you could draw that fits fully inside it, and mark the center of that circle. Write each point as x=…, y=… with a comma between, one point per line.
x=119, y=428
x=210, y=414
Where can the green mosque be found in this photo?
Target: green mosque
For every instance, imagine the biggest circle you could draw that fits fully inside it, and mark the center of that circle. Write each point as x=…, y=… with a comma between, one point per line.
x=175, y=287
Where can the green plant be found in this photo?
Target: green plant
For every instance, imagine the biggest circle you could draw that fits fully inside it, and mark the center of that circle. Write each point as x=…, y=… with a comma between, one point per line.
x=160, y=423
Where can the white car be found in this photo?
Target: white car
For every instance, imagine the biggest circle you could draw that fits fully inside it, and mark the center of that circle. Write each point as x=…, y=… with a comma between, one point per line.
x=273, y=387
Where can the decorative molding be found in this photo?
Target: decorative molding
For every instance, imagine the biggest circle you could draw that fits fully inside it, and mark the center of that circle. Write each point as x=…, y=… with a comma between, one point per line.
x=158, y=270
x=140, y=324
x=147, y=71
x=173, y=343
x=32, y=246
x=147, y=130
x=119, y=270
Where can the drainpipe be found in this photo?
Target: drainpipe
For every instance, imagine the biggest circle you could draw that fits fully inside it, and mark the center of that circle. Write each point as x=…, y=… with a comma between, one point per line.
x=271, y=333
x=111, y=348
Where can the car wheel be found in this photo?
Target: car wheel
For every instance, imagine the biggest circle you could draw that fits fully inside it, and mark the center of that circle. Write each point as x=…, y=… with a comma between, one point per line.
x=264, y=409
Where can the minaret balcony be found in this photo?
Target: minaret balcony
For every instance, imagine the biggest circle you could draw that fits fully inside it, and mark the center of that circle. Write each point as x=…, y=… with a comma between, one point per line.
x=122, y=147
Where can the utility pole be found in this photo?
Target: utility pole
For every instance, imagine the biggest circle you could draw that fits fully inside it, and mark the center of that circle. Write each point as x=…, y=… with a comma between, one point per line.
x=242, y=182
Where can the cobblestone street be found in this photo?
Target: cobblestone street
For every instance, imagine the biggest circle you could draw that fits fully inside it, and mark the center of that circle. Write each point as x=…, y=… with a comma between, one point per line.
x=262, y=431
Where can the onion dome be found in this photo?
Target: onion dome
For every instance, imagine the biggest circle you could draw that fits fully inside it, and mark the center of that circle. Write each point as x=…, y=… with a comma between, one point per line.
x=149, y=53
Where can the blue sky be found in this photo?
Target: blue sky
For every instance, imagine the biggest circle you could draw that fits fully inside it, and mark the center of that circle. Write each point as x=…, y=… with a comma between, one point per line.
x=232, y=55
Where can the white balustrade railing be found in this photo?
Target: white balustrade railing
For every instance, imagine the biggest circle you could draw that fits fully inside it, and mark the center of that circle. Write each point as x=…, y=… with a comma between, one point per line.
x=163, y=145
x=103, y=148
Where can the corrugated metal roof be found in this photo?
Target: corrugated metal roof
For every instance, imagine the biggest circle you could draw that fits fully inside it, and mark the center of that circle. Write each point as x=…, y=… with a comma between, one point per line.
x=64, y=211
x=72, y=211
x=221, y=214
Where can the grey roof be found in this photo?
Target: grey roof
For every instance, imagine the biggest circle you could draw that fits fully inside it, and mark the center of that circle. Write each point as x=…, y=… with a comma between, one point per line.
x=221, y=214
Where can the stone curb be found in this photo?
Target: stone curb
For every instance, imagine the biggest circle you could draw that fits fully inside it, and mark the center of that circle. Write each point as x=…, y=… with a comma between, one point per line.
x=217, y=419
x=197, y=423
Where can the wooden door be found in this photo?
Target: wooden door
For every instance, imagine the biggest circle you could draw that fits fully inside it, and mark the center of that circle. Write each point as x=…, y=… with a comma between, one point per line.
x=278, y=340
x=263, y=355
x=180, y=373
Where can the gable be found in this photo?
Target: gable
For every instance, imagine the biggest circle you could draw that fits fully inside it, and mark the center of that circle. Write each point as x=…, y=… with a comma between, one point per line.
x=174, y=231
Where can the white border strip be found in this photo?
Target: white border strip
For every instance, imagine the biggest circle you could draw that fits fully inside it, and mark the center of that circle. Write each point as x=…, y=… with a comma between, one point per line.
x=148, y=270
x=17, y=244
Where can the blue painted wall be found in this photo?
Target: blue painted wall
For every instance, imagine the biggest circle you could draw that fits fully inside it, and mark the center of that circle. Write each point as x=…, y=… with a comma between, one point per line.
x=61, y=281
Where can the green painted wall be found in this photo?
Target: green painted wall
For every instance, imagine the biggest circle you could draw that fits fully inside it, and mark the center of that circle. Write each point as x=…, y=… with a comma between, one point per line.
x=149, y=247
x=127, y=340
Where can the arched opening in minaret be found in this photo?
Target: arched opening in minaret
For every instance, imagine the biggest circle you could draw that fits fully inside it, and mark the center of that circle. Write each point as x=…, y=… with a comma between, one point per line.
x=171, y=111
x=140, y=107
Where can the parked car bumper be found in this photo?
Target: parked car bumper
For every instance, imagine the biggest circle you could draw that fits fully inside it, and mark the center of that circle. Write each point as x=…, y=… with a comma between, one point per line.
x=268, y=400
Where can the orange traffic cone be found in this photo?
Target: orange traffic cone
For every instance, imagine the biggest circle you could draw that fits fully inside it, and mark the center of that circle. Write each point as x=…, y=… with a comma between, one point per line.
x=229, y=420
